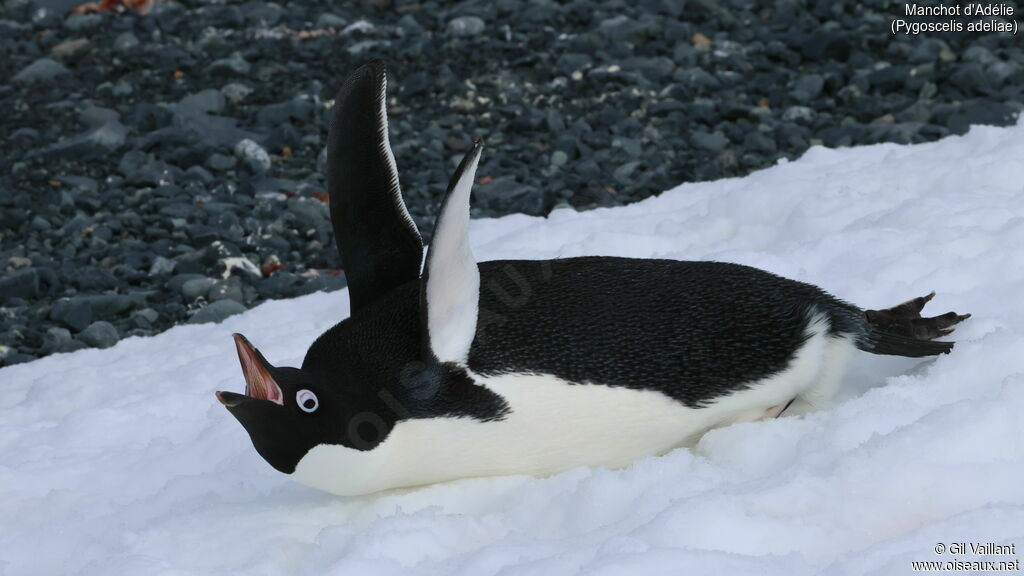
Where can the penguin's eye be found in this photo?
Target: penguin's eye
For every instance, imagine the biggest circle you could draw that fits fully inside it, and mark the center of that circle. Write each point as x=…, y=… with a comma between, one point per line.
x=306, y=400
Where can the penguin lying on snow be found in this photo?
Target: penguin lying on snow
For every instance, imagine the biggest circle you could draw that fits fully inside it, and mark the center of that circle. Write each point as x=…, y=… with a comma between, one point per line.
x=530, y=367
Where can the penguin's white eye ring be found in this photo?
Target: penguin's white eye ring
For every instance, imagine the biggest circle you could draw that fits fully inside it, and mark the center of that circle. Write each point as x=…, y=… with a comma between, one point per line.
x=307, y=401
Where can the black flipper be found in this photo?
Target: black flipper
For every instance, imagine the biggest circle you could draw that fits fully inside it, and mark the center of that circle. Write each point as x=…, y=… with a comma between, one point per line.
x=378, y=241
x=902, y=331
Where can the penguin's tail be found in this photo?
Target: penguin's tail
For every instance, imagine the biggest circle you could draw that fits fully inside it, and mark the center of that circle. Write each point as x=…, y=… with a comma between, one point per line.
x=878, y=342
x=902, y=331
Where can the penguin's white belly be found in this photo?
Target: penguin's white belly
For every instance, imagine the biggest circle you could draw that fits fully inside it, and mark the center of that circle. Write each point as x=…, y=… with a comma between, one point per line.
x=554, y=425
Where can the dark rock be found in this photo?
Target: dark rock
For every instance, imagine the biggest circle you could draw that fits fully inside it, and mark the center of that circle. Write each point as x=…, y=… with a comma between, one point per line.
x=253, y=156
x=206, y=101
x=504, y=194
x=20, y=284
x=41, y=71
x=75, y=313
x=328, y=20
x=96, y=142
x=197, y=288
x=100, y=335
x=55, y=339
x=229, y=288
x=263, y=13
x=294, y=110
x=234, y=65
x=889, y=78
x=95, y=116
x=980, y=112
x=220, y=162
x=216, y=312
x=70, y=49
x=178, y=281
x=161, y=266
x=144, y=319
x=569, y=63
x=82, y=22
x=465, y=26
x=759, y=141
x=93, y=278
x=970, y=76
x=808, y=87
x=705, y=141
x=309, y=213
x=125, y=42
x=826, y=45
x=41, y=224
x=17, y=358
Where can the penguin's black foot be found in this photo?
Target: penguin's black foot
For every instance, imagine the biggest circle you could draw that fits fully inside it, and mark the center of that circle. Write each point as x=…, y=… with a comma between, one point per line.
x=905, y=320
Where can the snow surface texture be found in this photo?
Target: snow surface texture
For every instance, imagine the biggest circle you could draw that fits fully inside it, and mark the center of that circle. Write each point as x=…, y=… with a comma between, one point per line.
x=120, y=461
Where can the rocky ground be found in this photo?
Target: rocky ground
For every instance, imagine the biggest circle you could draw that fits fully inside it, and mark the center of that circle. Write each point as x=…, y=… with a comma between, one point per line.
x=167, y=168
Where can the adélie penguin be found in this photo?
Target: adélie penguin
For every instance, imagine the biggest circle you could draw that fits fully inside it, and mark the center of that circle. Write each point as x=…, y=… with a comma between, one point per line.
x=466, y=369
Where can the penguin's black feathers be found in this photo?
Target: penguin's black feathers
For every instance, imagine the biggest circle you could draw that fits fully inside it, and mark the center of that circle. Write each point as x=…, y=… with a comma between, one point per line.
x=379, y=244
x=424, y=346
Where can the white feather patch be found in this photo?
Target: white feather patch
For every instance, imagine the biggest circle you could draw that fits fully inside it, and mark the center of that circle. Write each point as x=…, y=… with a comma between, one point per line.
x=453, y=280
x=384, y=147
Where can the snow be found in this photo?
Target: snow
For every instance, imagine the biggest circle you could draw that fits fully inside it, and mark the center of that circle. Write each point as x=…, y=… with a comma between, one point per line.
x=120, y=461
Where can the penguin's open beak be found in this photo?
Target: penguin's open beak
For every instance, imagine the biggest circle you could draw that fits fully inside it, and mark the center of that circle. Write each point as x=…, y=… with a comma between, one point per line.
x=259, y=382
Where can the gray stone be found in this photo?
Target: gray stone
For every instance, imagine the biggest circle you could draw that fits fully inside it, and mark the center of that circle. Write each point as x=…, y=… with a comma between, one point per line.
x=96, y=142
x=798, y=114
x=227, y=289
x=709, y=141
x=72, y=345
x=199, y=174
x=328, y=20
x=22, y=283
x=207, y=101
x=759, y=141
x=253, y=155
x=220, y=162
x=503, y=195
x=41, y=224
x=55, y=338
x=808, y=87
x=82, y=22
x=40, y=71
x=465, y=26
x=624, y=174
x=310, y=213
x=100, y=334
x=235, y=64
x=235, y=92
x=299, y=110
x=75, y=313
x=69, y=48
x=161, y=265
x=125, y=41
x=216, y=312
x=559, y=158
x=95, y=116
x=573, y=62
x=178, y=280
x=197, y=288
x=148, y=313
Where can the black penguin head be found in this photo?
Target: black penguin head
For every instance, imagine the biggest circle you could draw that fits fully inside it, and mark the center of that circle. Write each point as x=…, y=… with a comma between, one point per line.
x=288, y=411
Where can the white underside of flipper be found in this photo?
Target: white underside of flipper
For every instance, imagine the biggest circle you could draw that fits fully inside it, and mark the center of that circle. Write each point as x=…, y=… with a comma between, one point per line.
x=555, y=425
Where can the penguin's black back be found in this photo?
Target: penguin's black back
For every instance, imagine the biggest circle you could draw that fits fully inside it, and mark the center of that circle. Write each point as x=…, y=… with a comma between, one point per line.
x=692, y=330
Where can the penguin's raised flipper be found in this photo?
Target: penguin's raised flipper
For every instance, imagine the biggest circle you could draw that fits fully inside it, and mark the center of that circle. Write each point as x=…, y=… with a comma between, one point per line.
x=450, y=284
x=905, y=320
x=380, y=246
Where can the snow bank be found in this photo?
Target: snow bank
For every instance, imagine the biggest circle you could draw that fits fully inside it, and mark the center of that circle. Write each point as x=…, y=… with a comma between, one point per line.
x=120, y=461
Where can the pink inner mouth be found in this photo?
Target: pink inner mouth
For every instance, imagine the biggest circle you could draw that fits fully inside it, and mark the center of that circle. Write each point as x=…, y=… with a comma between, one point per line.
x=258, y=381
